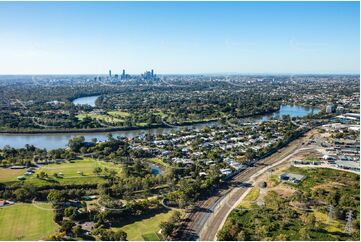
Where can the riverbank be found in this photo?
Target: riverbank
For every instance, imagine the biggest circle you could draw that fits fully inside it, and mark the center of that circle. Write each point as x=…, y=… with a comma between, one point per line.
x=59, y=138
x=108, y=129
x=115, y=129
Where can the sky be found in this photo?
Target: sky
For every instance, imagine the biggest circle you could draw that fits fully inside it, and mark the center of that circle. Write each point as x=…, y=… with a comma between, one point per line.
x=179, y=37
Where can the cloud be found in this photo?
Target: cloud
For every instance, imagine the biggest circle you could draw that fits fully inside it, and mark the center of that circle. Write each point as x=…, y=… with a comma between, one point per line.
x=306, y=45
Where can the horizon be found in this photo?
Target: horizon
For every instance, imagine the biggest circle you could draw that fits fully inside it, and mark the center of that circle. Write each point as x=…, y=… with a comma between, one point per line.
x=186, y=74
x=234, y=38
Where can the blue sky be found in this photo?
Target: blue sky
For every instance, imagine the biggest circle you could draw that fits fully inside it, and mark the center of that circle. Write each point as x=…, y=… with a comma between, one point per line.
x=179, y=37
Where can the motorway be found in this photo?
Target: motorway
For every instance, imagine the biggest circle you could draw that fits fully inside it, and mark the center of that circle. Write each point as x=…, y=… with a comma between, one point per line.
x=209, y=216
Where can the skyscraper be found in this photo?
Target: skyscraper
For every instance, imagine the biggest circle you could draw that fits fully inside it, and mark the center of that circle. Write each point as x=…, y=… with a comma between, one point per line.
x=110, y=73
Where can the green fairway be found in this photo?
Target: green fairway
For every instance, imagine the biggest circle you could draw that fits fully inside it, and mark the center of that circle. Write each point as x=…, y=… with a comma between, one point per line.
x=75, y=172
x=26, y=222
x=10, y=175
x=146, y=229
x=119, y=114
x=101, y=117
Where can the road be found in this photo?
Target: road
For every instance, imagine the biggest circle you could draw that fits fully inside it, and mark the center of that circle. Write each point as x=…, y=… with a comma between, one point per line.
x=204, y=222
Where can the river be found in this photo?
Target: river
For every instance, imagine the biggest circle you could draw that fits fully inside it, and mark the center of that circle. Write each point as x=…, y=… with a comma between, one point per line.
x=86, y=100
x=54, y=141
x=291, y=110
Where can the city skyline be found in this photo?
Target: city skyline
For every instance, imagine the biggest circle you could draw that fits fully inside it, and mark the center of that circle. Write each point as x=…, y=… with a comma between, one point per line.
x=179, y=37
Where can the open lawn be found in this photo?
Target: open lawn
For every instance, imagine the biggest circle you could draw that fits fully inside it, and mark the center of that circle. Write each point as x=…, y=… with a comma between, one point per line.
x=146, y=228
x=158, y=161
x=75, y=172
x=101, y=117
x=10, y=175
x=312, y=158
x=119, y=114
x=151, y=237
x=26, y=222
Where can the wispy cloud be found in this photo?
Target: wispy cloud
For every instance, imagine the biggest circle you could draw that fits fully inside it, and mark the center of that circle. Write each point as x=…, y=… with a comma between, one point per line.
x=307, y=45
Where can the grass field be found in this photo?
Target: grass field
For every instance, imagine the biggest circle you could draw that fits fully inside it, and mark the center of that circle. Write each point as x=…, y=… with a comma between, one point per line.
x=151, y=237
x=110, y=117
x=312, y=158
x=250, y=198
x=146, y=229
x=158, y=161
x=320, y=176
x=334, y=226
x=100, y=117
x=10, y=175
x=26, y=222
x=77, y=172
x=119, y=114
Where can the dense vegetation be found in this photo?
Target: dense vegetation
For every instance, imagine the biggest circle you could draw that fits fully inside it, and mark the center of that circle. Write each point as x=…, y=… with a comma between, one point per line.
x=46, y=104
x=303, y=216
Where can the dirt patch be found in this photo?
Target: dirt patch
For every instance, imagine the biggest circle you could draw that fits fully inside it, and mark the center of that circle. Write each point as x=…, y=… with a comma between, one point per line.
x=283, y=190
x=306, y=154
x=328, y=186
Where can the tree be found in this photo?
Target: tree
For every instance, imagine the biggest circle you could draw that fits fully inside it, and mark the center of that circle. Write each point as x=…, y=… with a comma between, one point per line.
x=109, y=235
x=76, y=143
x=120, y=235
x=241, y=236
x=304, y=233
x=281, y=237
x=26, y=193
x=71, y=212
x=55, y=197
x=77, y=230
x=224, y=235
x=42, y=175
x=21, y=194
x=176, y=217
x=97, y=170
x=310, y=220
x=67, y=226
x=166, y=228
x=250, y=154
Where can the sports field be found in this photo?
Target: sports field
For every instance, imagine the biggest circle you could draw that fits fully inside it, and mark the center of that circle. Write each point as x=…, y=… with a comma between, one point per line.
x=148, y=228
x=10, y=175
x=26, y=222
x=75, y=172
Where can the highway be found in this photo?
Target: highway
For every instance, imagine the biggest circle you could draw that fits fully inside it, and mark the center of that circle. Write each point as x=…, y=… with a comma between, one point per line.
x=204, y=222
